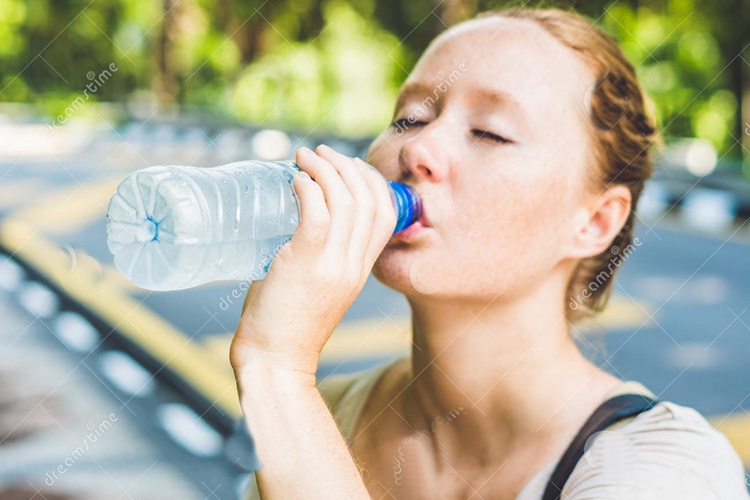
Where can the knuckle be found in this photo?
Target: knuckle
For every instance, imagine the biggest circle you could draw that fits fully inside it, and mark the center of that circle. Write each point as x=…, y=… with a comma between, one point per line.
x=368, y=205
x=315, y=228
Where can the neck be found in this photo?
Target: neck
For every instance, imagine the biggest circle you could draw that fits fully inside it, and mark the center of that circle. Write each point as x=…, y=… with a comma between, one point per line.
x=507, y=369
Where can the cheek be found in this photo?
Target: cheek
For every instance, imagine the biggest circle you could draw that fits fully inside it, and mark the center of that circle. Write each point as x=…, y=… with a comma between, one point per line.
x=512, y=229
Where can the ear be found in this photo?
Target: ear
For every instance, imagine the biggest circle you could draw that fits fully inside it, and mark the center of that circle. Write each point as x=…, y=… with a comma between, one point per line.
x=598, y=223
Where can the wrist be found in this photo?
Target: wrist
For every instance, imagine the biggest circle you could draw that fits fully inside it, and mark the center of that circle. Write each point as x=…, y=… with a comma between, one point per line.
x=261, y=387
x=275, y=372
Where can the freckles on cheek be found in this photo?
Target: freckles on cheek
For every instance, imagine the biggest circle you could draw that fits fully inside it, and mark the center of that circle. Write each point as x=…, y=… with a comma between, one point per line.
x=477, y=199
x=518, y=213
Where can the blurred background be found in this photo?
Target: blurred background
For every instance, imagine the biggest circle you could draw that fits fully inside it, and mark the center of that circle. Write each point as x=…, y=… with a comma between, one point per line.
x=111, y=391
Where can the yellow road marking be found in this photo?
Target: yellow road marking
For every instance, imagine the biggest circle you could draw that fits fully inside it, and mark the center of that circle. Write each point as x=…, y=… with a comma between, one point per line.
x=160, y=339
x=621, y=312
x=736, y=428
x=71, y=207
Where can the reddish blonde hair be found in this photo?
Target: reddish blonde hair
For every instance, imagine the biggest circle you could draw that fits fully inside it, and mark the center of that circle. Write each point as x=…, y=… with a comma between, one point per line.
x=623, y=130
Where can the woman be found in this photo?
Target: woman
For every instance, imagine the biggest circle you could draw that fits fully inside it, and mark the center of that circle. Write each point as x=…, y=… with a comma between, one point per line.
x=530, y=160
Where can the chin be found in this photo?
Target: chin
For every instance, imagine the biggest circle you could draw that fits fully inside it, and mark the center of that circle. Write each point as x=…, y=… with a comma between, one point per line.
x=406, y=274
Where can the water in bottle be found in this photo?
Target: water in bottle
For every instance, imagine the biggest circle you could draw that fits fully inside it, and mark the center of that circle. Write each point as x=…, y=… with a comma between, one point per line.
x=175, y=227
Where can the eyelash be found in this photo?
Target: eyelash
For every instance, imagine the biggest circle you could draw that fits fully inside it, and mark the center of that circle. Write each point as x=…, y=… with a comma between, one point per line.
x=405, y=123
x=489, y=135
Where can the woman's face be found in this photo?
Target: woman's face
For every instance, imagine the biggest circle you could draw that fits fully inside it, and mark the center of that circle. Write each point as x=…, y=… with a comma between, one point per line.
x=490, y=129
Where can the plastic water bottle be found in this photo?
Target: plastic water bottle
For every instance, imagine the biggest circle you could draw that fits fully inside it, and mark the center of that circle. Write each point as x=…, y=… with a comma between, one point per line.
x=174, y=227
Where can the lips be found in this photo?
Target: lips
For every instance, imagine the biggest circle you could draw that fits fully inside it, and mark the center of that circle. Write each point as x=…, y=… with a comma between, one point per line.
x=415, y=229
x=409, y=232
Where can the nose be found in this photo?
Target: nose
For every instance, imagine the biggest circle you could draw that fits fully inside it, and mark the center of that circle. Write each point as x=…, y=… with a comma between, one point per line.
x=420, y=157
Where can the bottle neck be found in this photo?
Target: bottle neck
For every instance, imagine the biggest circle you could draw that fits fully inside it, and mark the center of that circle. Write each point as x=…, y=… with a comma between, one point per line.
x=407, y=203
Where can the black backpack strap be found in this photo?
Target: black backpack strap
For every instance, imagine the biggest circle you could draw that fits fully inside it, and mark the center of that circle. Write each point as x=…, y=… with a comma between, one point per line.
x=609, y=412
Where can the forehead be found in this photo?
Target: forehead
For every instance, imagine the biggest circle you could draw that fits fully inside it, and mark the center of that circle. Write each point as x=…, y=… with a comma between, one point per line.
x=510, y=55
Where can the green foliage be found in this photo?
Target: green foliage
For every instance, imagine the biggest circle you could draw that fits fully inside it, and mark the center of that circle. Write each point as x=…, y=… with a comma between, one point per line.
x=681, y=67
x=333, y=64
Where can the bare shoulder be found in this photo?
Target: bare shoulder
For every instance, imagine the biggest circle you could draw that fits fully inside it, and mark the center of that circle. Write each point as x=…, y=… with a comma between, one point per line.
x=670, y=451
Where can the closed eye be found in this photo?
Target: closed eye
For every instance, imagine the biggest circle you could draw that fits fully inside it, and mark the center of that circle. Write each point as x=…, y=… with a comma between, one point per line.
x=484, y=134
x=404, y=123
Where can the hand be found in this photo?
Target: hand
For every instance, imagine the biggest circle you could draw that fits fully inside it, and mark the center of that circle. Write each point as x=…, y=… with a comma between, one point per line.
x=346, y=219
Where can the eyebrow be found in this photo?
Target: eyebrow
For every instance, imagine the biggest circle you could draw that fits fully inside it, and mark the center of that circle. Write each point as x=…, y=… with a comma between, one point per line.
x=502, y=99
x=494, y=98
x=410, y=90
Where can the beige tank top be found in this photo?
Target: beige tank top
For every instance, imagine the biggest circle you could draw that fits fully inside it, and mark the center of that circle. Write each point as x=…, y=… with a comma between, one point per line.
x=668, y=452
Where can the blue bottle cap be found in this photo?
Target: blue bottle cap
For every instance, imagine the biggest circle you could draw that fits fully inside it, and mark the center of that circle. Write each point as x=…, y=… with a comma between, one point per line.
x=409, y=205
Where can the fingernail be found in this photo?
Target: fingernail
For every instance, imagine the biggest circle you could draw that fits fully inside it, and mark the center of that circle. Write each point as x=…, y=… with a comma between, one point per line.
x=324, y=146
x=305, y=175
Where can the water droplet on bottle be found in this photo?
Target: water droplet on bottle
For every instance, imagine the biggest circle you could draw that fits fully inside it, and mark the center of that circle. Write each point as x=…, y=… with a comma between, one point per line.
x=293, y=219
x=247, y=189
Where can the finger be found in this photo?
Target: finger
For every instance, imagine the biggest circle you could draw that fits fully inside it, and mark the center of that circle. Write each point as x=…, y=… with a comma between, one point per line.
x=315, y=220
x=385, y=215
x=337, y=196
x=364, y=200
x=380, y=232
